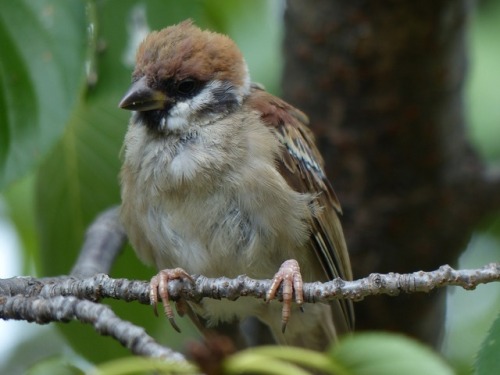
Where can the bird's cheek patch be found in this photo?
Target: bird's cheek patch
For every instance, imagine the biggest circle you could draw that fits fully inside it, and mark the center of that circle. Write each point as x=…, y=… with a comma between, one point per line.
x=178, y=118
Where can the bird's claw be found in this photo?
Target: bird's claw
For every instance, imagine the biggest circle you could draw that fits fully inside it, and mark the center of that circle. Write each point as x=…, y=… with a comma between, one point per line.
x=159, y=287
x=288, y=274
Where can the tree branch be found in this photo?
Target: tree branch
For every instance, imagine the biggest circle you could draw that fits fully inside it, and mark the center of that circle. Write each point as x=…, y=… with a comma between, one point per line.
x=67, y=298
x=103, y=242
x=65, y=308
x=102, y=286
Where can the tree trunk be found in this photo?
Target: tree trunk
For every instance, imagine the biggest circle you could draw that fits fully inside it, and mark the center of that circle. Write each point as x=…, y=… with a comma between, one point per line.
x=382, y=82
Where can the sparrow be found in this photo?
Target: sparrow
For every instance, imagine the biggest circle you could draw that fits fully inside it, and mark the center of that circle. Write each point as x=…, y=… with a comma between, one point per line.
x=221, y=178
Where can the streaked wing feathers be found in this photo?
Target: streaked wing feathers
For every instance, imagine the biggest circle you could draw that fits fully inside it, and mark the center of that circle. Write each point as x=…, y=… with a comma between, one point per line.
x=302, y=167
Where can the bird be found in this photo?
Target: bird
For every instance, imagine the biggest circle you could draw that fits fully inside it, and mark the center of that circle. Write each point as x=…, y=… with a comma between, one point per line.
x=221, y=178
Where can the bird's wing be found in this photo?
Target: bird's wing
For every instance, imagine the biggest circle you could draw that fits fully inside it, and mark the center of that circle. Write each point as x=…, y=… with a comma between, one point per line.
x=301, y=165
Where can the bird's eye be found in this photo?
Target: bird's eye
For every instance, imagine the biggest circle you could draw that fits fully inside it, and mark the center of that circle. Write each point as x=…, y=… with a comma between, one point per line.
x=186, y=86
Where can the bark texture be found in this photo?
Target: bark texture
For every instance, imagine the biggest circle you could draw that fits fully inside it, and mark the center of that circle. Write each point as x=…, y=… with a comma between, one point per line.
x=382, y=82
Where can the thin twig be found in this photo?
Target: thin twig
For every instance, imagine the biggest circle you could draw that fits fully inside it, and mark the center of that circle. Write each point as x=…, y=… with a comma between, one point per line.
x=104, y=240
x=101, y=317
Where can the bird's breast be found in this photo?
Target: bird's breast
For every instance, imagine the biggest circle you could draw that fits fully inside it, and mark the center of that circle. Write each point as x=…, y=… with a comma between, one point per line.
x=213, y=200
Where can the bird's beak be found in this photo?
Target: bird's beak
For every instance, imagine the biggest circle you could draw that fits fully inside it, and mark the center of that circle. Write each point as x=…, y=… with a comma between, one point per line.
x=140, y=97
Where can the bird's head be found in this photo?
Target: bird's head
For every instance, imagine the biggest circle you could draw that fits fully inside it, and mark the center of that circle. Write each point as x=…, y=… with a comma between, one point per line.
x=185, y=77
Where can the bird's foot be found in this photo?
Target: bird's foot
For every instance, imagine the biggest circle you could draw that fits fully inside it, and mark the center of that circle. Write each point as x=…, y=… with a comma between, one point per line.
x=288, y=274
x=159, y=287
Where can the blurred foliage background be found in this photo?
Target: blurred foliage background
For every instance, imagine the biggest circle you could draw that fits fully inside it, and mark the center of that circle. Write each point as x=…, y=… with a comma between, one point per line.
x=65, y=65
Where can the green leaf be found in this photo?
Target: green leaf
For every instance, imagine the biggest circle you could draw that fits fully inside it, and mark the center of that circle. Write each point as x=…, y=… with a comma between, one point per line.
x=137, y=365
x=386, y=354
x=487, y=359
x=54, y=366
x=41, y=72
x=277, y=360
x=483, y=81
x=259, y=45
